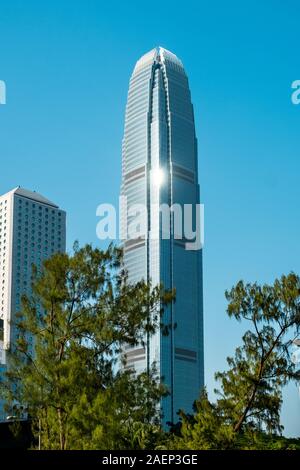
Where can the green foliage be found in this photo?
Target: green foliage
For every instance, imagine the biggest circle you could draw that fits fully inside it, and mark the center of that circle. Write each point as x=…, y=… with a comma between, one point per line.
x=120, y=417
x=251, y=390
x=205, y=429
x=247, y=413
x=82, y=313
x=250, y=440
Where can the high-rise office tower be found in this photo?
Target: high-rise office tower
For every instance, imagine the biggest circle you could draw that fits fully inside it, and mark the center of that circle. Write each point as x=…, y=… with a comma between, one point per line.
x=32, y=228
x=159, y=166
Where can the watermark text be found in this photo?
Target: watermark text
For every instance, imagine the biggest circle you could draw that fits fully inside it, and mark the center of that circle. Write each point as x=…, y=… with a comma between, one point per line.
x=295, y=97
x=2, y=92
x=182, y=222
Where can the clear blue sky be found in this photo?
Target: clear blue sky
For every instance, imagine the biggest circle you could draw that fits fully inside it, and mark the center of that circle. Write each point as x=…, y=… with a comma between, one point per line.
x=67, y=65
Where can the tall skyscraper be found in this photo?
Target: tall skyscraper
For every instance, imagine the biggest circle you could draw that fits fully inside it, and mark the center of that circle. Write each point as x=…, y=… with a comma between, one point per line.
x=159, y=166
x=32, y=228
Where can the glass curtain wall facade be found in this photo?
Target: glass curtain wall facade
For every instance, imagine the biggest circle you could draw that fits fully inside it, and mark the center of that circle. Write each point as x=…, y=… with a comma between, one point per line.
x=159, y=166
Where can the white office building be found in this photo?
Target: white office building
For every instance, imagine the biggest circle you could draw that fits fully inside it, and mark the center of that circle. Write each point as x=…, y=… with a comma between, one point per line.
x=32, y=228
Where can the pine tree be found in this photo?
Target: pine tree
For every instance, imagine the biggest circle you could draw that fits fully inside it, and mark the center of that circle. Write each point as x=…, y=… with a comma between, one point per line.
x=251, y=390
x=82, y=313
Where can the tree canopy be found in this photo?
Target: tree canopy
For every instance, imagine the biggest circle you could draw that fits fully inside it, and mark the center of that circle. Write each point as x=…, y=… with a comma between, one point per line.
x=72, y=333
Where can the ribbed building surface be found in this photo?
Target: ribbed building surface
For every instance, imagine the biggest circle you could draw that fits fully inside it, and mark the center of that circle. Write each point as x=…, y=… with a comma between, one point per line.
x=160, y=166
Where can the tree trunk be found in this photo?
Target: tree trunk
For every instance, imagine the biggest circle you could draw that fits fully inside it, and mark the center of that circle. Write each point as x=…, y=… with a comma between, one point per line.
x=62, y=439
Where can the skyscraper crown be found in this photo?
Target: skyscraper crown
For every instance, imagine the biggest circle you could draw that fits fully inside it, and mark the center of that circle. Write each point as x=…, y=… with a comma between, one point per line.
x=158, y=54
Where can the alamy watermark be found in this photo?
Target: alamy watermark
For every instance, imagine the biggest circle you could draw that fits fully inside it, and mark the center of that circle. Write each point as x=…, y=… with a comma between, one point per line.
x=2, y=92
x=295, y=97
x=182, y=222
